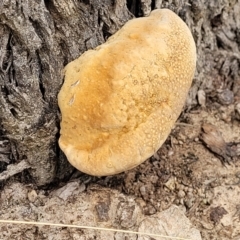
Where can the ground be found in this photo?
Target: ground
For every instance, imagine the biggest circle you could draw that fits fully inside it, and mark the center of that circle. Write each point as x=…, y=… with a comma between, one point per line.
x=185, y=174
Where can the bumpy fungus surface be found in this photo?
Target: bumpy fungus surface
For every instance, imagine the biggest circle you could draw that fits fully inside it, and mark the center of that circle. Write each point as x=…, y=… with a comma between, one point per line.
x=120, y=100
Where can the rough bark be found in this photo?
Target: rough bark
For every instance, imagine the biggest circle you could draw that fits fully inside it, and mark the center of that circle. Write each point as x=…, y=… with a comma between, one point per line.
x=38, y=38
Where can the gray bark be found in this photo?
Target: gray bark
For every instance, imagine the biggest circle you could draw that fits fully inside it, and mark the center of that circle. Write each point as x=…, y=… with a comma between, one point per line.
x=38, y=38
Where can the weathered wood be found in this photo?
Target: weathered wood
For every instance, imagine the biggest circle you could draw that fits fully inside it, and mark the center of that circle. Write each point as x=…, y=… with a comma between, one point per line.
x=37, y=39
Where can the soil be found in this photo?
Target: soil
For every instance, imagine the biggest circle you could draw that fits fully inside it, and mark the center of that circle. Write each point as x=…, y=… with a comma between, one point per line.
x=185, y=172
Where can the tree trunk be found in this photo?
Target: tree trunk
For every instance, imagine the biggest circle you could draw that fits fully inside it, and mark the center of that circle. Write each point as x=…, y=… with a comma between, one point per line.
x=38, y=38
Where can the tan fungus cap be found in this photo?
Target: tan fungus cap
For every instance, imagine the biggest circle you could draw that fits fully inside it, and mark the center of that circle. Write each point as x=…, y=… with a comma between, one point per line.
x=120, y=100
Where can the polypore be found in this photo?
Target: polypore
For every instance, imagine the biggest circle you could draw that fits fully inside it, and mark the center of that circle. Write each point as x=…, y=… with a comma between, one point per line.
x=120, y=100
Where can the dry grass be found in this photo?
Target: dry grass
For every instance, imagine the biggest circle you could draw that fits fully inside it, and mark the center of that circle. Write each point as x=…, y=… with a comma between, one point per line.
x=91, y=228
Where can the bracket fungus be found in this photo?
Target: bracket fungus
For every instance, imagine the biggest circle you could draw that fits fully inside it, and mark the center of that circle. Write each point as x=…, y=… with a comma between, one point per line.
x=120, y=101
